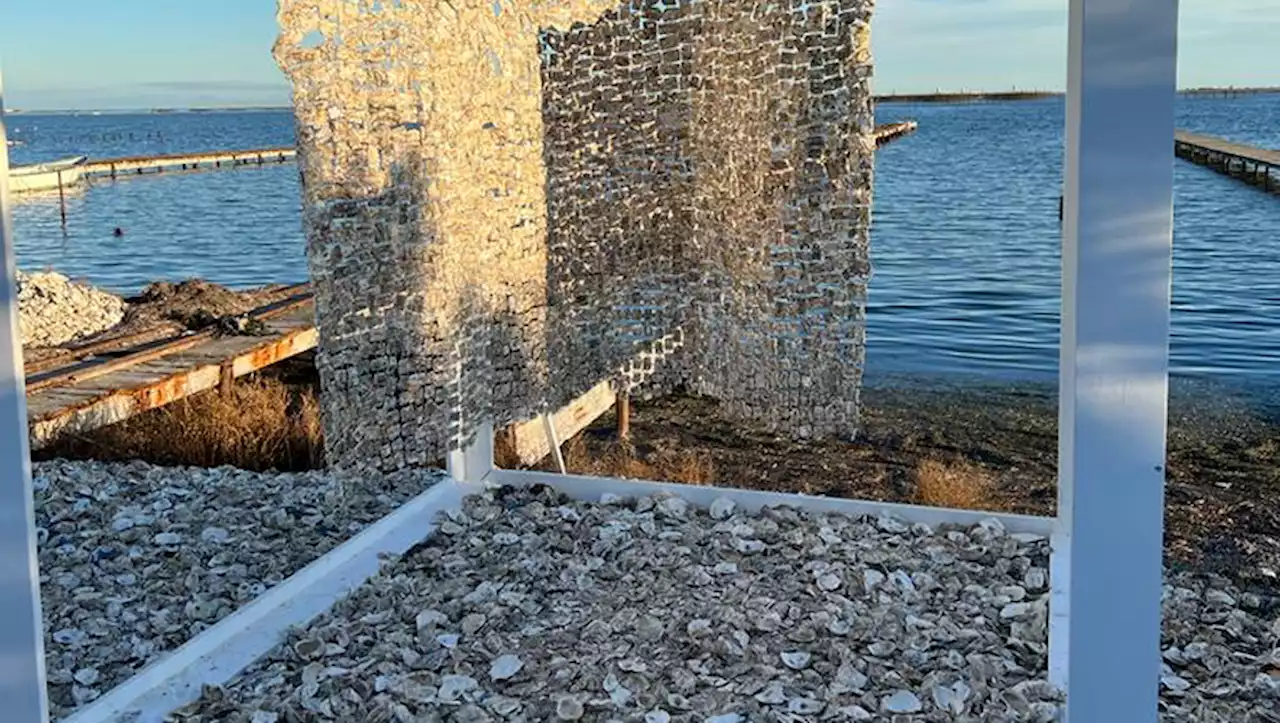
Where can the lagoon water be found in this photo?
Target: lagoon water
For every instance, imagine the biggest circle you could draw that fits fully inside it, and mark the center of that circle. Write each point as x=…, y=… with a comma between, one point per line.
x=965, y=244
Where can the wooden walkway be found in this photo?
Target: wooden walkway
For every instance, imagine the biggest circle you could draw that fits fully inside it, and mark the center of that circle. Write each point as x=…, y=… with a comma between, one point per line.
x=1257, y=166
x=893, y=131
x=83, y=394
x=138, y=165
x=103, y=382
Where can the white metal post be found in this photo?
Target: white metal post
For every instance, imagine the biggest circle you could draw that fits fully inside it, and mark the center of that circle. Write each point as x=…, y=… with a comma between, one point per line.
x=473, y=462
x=549, y=426
x=22, y=676
x=1116, y=274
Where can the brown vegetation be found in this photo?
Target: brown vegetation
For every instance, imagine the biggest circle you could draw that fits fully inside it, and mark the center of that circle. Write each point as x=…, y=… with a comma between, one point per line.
x=621, y=460
x=262, y=424
x=959, y=484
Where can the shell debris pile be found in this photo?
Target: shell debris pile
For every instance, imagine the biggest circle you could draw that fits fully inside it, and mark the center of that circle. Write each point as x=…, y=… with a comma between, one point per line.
x=529, y=607
x=53, y=310
x=137, y=559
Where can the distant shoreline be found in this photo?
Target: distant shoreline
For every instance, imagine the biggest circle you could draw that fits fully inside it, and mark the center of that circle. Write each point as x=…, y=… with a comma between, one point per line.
x=986, y=96
x=965, y=97
x=936, y=97
x=154, y=111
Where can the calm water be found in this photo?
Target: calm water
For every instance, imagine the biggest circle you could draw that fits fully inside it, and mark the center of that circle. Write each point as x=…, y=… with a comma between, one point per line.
x=965, y=244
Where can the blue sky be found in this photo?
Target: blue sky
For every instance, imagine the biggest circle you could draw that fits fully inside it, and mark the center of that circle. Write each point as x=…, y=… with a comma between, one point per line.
x=108, y=54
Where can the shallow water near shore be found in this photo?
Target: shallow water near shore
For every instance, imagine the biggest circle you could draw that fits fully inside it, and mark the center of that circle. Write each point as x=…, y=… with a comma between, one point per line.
x=964, y=247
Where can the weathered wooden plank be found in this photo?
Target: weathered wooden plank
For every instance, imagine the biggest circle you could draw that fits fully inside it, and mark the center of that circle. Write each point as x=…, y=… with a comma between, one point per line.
x=166, y=366
x=530, y=437
x=153, y=383
x=65, y=395
x=265, y=355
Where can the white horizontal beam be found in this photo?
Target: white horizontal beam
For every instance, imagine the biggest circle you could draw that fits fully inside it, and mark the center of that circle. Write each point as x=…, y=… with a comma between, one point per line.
x=216, y=655
x=591, y=488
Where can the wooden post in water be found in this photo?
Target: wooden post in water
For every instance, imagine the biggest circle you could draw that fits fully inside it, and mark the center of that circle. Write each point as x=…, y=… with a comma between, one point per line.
x=62, y=202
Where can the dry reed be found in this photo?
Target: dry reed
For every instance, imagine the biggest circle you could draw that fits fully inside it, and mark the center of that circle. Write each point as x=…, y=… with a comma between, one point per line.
x=959, y=485
x=621, y=460
x=262, y=424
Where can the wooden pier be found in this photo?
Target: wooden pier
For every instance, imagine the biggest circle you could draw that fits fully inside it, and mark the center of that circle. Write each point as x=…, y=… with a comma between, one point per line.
x=893, y=131
x=142, y=165
x=1257, y=166
x=139, y=165
x=108, y=382
x=104, y=381
x=101, y=382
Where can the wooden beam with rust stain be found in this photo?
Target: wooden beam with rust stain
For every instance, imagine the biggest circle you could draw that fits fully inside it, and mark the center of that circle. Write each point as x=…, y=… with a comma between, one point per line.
x=116, y=405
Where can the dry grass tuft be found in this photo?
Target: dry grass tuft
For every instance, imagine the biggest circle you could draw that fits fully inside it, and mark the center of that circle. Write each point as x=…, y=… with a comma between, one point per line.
x=504, y=450
x=263, y=424
x=621, y=460
x=959, y=485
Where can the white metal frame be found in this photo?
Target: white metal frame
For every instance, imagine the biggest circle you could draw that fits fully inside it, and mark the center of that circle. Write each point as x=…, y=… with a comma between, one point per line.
x=1107, y=537
x=22, y=675
x=1117, y=257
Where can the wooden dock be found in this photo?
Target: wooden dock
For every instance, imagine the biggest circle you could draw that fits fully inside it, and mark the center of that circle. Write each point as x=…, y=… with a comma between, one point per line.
x=1257, y=166
x=142, y=165
x=80, y=394
x=893, y=131
x=102, y=382
x=99, y=383
x=139, y=165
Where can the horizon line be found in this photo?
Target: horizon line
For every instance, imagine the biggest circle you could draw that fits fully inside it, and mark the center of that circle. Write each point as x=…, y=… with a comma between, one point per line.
x=958, y=94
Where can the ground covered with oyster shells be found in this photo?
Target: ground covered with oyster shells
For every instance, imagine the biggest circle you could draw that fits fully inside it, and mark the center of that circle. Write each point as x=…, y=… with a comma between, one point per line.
x=529, y=607
x=136, y=559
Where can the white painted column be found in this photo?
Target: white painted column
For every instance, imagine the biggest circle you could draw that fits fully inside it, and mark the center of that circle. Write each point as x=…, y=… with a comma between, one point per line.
x=22, y=676
x=1116, y=273
x=473, y=462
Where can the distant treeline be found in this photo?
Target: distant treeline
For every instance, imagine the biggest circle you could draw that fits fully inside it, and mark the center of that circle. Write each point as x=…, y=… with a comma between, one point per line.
x=1231, y=91
x=982, y=96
